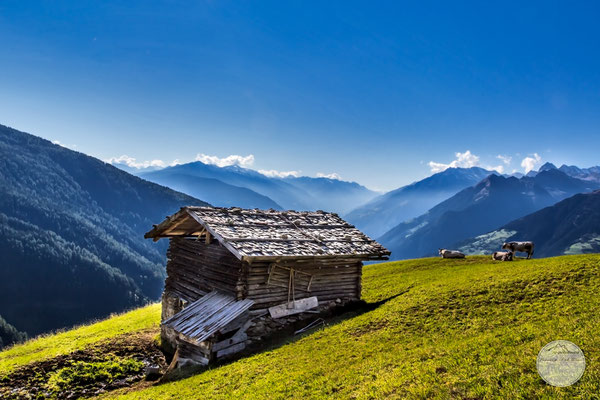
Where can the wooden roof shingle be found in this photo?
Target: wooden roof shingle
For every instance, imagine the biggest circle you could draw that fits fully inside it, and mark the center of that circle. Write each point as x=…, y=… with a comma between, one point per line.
x=271, y=234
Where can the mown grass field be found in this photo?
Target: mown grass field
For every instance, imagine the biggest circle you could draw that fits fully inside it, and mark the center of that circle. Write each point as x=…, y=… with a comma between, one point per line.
x=466, y=329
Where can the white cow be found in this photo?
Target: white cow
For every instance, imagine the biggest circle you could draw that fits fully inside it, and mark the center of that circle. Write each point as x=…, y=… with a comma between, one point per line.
x=525, y=247
x=444, y=253
x=502, y=256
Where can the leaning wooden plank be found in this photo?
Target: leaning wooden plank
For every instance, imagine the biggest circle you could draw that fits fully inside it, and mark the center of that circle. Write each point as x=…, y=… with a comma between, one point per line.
x=293, y=307
x=173, y=364
x=190, y=308
x=198, y=326
x=194, y=309
x=201, y=317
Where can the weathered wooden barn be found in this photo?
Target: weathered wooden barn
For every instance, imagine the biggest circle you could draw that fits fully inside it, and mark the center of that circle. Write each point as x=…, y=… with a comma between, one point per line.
x=236, y=275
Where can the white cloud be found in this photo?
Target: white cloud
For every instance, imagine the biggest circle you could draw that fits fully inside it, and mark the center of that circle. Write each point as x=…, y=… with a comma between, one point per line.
x=529, y=163
x=332, y=175
x=505, y=159
x=498, y=168
x=242, y=161
x=463, y=160
x=272, y=173
x=133, y=163
x=437, y=167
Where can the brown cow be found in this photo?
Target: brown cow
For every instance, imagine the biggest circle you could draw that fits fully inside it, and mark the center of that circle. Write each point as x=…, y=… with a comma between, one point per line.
x=525, y=247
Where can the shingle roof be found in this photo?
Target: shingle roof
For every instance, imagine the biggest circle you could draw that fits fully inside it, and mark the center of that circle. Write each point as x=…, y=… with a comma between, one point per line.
x=266, y=234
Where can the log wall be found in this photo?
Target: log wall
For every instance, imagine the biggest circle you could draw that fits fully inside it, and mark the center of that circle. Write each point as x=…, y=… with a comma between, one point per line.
x=331, y=280
x=195, y=268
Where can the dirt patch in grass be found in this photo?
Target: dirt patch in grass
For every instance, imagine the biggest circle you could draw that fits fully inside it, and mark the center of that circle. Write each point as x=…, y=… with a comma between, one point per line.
x=108, y=365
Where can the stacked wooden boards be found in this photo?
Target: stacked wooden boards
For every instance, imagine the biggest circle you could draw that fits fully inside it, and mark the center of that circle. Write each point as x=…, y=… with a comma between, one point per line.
x=202, y=319
x=208, y=315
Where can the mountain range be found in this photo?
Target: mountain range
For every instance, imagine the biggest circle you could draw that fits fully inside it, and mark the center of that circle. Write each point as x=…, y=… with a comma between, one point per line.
x=234, y=185
x=491, y=203
x=390, y=209
x=71, y=226
x=214, y=190
x=71, y=235
x=571, y=226
x=587, y=174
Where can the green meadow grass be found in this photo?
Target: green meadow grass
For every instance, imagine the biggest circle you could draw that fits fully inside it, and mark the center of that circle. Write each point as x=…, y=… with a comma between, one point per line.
x=80, y=373
x=465, y=329
x=49, y=346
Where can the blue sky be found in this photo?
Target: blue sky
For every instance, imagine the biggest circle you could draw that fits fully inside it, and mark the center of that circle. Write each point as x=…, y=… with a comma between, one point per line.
x=371, y=91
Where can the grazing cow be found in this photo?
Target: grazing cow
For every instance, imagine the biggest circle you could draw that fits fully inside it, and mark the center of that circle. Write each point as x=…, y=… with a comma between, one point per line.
x=525, y=247
x=502, y=255
x=451, y=253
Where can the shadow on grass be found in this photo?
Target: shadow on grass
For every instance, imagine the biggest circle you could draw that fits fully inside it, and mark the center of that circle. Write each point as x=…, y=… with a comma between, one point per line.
x=287, y=335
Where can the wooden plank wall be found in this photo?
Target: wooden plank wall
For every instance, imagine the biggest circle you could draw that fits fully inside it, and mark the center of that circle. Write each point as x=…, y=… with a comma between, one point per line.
x=331, y=280
x=195, y=268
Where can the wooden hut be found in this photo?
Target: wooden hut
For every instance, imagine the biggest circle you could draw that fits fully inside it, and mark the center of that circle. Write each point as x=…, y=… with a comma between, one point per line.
x=236, y=275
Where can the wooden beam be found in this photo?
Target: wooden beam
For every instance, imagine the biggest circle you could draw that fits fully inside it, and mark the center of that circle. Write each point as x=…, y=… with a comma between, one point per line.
x=224, y=243
x=293, y=307
x=287, y=224
x=357, y=257
x=156, y=230
x=239, y=239
x=174, y=225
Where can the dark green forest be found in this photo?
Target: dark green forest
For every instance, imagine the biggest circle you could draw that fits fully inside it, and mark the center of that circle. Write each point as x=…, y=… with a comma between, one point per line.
x=71, y=235
x=9, y=334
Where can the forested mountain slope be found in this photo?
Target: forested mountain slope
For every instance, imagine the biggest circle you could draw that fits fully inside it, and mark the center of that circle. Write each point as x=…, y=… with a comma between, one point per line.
x=71, y=235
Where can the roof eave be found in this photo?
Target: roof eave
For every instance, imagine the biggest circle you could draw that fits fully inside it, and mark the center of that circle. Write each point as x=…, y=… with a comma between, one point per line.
x=360, y=257
x=156, y=231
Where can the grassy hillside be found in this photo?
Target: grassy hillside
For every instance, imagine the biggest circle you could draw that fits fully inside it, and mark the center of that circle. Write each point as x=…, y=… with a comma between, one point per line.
x=442, y=329
x=62, y=343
